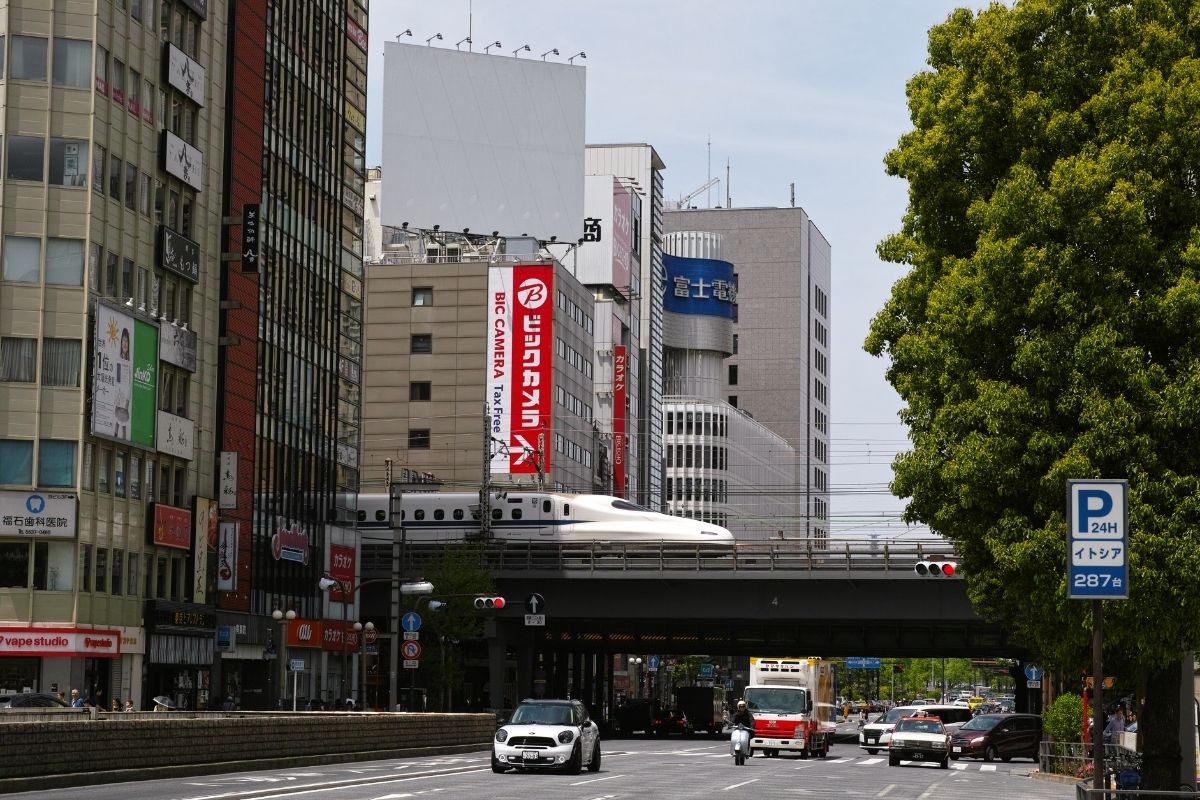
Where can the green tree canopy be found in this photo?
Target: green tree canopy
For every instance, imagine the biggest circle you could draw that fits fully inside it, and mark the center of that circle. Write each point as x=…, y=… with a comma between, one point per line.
x=1048, y=325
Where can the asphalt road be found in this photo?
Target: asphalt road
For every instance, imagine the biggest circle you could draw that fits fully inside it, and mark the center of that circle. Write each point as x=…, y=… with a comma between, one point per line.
x=664, y=769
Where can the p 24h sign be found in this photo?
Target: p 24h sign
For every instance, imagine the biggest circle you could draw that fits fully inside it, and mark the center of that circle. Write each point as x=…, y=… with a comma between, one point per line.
x=1098, y=559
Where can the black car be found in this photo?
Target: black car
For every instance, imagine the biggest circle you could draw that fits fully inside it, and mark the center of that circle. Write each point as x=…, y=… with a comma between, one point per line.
x=32, y=700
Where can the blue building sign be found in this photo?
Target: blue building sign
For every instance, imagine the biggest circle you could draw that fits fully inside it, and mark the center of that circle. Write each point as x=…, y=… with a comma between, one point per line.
x=699, y=286
x=1098, y=561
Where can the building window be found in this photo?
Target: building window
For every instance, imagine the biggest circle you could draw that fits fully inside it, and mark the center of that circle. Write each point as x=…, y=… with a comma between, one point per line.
x=114, y=177
x=733, y=376
x=16, y=461
x=418, y=439
x=735, y=344
x=64, y=262
x=18, y=359
x=421, y=343
x=22, y=259
x=131, y=186
x=28, y=58
x=14, y=564
x=72, y=62
x=119, y=474
x=733, y=400
x=422, y=296
x=420, y=390
x=25, y=157
x=60, y=362
x=56, y=463
x=68, y=162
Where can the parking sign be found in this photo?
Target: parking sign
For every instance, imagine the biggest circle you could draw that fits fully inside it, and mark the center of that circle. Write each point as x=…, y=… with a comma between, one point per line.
x=1098, y=519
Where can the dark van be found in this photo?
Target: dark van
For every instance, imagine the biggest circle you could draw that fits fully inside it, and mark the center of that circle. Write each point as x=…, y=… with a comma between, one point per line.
x=998, y=736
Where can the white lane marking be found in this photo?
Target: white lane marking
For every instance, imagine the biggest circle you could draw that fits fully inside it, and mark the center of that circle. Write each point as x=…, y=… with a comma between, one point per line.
x=839, y=761
x=597, y=780
x=408, y=794
x=886, y=790
x=736, y=785
x=264, y=794
x=958, y=766
x=987, y=768
x=867, y=761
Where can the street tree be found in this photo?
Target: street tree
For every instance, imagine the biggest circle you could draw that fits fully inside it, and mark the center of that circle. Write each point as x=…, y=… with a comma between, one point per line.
x=1047, y=325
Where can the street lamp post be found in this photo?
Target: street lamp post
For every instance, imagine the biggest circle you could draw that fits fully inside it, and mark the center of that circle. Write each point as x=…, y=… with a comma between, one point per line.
x=637, y=686
x=281, y=653
x=363, y=631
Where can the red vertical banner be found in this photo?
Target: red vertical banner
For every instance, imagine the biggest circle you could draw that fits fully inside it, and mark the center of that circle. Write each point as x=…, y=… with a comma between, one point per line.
x=341, y=566
x=620, y=373
x=533, y=367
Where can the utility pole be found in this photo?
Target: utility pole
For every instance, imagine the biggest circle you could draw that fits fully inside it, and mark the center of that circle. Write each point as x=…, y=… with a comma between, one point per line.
x=485, y=488
x=394, y=615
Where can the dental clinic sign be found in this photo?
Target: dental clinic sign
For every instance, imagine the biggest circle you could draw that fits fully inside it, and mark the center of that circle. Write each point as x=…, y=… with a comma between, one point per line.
x=39, y=515
x=1098, y=519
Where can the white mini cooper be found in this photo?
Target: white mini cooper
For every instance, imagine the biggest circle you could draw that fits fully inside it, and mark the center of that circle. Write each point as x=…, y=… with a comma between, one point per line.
x=547, y=734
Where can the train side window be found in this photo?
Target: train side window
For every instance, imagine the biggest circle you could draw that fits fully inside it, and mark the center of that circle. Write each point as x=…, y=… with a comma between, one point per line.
x=362, y=516
x=545, y=506
x=516, y=513
x=566, y=509
x=458, y=514
x=497, y=513
x=419, y=514
x=380, y=515
x=439, y=514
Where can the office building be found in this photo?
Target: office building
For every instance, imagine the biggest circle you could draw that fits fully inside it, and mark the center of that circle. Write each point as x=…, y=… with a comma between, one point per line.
x=778, y=368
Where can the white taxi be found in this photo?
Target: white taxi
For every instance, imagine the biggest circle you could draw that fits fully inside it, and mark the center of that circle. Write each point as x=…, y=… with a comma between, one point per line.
x=547, y=734
x=919, y=738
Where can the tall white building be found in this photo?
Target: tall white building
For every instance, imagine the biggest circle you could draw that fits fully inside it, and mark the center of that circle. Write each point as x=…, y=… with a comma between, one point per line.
x=640, y=168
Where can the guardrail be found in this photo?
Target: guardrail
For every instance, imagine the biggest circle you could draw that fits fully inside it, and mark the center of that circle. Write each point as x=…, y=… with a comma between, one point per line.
x=891, y=559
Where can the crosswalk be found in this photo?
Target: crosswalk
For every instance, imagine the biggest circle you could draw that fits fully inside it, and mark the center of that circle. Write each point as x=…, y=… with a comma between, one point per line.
x=958, y=765
x=832, y=760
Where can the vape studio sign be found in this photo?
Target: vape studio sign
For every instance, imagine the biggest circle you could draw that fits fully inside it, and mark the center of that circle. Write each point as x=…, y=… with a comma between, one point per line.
x=60, y=642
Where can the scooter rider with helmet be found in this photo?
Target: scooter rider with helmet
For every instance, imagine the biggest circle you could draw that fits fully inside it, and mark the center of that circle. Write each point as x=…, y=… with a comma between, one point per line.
x=743, y=716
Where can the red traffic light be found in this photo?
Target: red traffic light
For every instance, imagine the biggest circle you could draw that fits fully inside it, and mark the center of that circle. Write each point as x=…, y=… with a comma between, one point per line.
x=936, y=569
x=489, y=603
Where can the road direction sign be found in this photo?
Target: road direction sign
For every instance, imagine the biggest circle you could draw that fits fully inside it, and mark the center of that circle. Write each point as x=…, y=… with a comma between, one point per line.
x=296, y=665
x=1033, y=672
x=410, y=650
x=411, y=621
x=1097, y=560
x=535, y=604
x=859, y=662
x=652, y=663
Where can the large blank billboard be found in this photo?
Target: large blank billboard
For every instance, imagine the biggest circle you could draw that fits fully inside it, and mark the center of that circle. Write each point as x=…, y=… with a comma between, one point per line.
x=482, y=142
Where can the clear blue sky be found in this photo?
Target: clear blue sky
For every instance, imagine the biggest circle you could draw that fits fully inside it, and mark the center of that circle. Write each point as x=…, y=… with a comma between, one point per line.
x=809, y=92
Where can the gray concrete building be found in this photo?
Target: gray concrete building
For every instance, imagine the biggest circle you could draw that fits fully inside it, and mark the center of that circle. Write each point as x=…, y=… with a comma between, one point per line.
x=779, y=369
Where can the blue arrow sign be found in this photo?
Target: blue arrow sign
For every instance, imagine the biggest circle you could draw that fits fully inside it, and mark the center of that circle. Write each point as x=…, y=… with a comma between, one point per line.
x=411, y=622
x=1032, y=672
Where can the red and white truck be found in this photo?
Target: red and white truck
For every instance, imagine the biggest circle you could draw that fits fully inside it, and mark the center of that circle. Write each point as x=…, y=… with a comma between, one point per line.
x=784, y=695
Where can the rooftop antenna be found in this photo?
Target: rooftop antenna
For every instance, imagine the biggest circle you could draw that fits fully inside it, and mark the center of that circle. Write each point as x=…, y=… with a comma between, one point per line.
x=728, y=199
x=708, y=198
x=470, y=23
x=792, y=186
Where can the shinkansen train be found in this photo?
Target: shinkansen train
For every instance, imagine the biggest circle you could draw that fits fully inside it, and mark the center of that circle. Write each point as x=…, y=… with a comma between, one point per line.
x=540, y=516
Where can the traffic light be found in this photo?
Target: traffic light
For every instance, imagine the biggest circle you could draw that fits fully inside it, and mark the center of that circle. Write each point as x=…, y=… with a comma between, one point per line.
x=489, y=603
x=936, y=569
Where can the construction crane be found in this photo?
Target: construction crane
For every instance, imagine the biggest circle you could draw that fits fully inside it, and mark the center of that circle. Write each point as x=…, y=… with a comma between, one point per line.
x=687, y=198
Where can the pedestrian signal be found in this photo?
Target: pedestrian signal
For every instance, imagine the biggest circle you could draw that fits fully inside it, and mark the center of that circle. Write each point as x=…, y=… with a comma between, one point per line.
x=936, y=569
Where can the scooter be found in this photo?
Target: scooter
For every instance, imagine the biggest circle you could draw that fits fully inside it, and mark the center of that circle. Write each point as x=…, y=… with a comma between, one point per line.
x=739, y=744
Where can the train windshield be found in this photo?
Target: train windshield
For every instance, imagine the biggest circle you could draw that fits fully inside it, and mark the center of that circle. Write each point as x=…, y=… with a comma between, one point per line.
x=625, y=505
